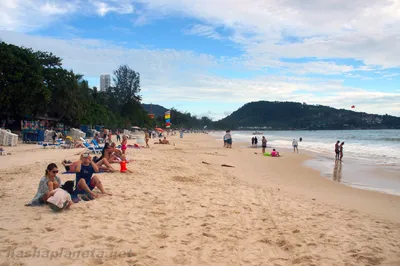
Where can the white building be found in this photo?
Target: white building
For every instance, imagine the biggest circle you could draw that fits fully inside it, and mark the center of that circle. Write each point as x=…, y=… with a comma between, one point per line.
x=105, y=82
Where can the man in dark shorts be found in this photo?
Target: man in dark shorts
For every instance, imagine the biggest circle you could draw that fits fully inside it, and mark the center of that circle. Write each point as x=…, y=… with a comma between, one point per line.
x=85, y=180
x=255, y=141
x=337, y=150
x=252, y=141
x=264, y=144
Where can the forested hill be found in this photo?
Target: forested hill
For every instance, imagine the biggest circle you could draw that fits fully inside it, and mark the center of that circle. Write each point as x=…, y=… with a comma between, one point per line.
x=291, y=115
x=155, y=109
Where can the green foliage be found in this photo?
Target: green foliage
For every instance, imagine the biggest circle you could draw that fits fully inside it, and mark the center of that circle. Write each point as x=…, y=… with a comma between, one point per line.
x=33, y=83
x=22, y=91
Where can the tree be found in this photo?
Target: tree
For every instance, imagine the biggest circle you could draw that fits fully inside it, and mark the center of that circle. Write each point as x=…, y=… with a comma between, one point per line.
x=22, y=90
x=127, y=85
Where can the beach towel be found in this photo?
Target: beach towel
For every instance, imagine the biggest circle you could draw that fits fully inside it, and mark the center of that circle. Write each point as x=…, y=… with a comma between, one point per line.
x=101, y=171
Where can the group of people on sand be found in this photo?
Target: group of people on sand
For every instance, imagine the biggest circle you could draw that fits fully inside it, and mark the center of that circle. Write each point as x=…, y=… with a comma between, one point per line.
x=61, y=196
x=254, y=143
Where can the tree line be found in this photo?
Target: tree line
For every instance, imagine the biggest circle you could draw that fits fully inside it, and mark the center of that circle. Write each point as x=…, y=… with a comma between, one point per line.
x=35, y=83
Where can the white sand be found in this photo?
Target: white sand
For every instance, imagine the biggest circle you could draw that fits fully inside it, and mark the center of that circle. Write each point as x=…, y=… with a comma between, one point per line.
x=175, y=210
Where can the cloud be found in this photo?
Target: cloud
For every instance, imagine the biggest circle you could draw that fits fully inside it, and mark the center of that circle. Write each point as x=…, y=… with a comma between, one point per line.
x=366, y=30
x=120, y=7
x=29, y=15
x=203, y=30
x=25, y=16
x=169, y=76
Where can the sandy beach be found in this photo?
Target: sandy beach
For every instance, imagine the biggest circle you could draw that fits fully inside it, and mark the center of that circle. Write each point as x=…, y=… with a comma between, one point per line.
x=176, y=210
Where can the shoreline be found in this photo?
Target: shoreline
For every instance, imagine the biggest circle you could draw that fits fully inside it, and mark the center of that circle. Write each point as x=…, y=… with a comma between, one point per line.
x=174, y=209
x=375, y=177
x=315, y=186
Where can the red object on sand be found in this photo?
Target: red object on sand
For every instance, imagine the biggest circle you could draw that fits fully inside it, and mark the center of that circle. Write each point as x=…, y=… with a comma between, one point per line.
x=123, y=167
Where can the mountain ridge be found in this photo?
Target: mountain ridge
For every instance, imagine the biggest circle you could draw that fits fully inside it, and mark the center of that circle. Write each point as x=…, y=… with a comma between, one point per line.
x=294, y=115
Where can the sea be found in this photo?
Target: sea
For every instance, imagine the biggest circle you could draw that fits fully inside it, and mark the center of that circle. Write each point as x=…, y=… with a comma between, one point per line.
x=371, y=157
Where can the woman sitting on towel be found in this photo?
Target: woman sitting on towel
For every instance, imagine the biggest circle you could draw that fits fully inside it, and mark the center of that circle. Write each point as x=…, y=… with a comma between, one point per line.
x=47, y=184
x=104, y=161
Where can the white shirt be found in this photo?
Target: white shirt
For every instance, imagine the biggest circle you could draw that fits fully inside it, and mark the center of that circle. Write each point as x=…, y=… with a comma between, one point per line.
x=294, y=143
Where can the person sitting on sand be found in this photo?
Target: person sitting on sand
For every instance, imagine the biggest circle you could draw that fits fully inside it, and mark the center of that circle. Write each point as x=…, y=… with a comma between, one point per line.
x=114, y=154
x=103, y=161
x=85, y=180
x=164, y=141
x=47, y=184
x=274, y=153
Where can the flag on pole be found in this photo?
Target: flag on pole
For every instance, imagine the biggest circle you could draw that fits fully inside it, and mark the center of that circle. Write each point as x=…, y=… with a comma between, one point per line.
x=167, y=119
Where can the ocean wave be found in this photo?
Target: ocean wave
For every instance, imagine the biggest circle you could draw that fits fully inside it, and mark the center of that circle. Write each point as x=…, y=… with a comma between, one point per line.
x=369, y=147
x=390, y=139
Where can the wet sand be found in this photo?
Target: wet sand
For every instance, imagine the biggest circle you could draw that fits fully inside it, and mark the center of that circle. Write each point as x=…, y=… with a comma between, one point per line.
x=358, y=174
x=176, y=210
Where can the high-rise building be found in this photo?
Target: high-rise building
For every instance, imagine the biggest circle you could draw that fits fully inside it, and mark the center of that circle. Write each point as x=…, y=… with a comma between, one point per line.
x=104, y=82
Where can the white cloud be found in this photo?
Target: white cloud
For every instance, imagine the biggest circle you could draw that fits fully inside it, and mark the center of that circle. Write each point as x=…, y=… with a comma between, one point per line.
x=120, y=7
x=203, y=30
x=169, y=76
x=268, y=30
x=367, y=30
x=30, y=15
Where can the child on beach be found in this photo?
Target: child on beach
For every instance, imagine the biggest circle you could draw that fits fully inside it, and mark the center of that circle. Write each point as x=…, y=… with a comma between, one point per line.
x=124, y=144
x=274, y=153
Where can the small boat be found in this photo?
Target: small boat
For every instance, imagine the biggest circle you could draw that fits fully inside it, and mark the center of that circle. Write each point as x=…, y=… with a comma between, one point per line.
x=257, y=133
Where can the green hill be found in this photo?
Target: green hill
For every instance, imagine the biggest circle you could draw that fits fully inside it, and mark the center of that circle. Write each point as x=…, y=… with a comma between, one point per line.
x=156, y=109
x=292, y=115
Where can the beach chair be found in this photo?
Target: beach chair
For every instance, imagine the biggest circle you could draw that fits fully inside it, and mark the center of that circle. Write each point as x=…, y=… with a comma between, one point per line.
x=96, y=144
x=92, y=148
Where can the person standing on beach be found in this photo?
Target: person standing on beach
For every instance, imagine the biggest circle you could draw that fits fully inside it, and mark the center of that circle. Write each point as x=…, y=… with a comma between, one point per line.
x=118, y=136
x=295, y=145
x=255, y=141
x=228, y=138
x=146, y=138
x=264, y=144
x=252, y=141
x=337, y=150
x=341, y=151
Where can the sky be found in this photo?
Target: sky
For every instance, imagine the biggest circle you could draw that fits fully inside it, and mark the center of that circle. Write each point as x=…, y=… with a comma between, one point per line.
x=210, y=57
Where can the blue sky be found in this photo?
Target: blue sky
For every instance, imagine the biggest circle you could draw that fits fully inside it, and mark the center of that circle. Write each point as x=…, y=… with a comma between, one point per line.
x=211, y=57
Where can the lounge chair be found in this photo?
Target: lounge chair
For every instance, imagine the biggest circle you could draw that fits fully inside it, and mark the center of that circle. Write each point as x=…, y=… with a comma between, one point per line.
x=92, y=148
x=96, y=144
